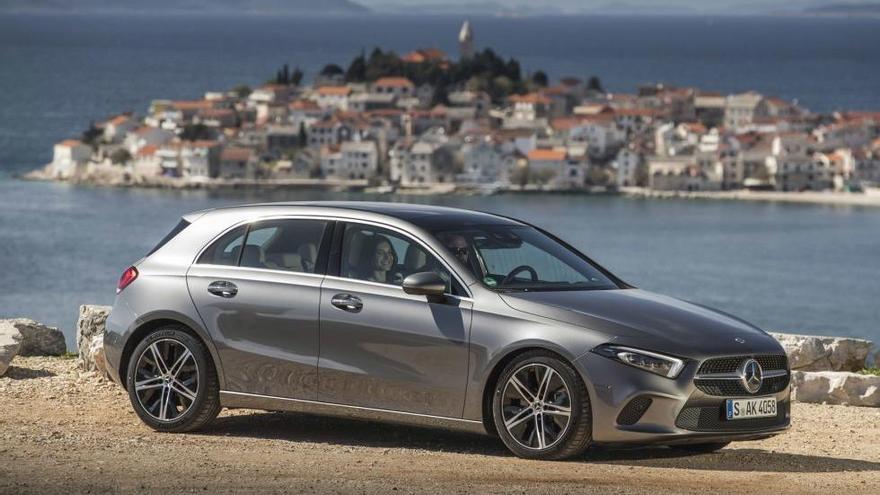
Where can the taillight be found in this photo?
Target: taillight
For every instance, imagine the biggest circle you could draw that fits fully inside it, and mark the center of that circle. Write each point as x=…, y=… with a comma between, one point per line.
x=128, y=276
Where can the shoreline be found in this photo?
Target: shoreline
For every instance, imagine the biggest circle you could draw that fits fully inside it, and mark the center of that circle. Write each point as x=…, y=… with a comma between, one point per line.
x=867, y=199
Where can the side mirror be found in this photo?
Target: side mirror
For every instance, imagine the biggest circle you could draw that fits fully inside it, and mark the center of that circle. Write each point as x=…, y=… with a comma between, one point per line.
x=424, y=284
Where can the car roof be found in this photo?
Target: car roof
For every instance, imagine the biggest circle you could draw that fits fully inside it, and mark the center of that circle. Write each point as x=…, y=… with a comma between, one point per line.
x=430, y=217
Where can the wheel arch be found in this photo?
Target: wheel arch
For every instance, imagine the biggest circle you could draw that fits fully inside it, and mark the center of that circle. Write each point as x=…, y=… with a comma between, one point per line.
x=145, y=327
x=497, y=368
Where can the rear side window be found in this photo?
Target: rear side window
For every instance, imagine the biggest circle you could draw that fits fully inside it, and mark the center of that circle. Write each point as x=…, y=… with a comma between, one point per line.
x=182, y=224
x=226, y=250
x=289, y=245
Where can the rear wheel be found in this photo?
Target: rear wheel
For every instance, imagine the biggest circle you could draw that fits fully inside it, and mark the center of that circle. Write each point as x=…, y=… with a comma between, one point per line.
x=541, y=408
x=172, y=382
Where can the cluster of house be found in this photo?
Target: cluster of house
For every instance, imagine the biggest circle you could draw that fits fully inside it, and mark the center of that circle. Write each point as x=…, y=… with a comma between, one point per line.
x=565, y=136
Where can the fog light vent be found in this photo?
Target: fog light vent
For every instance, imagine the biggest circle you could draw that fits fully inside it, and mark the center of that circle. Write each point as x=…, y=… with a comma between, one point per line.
x=633, y=412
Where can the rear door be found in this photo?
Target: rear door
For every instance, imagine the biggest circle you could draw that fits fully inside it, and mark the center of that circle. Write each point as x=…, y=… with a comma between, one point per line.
x=257, y=289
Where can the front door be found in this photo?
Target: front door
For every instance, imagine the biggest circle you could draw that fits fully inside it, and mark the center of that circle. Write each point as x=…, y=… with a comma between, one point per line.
x=383, y=348
x=257, y=289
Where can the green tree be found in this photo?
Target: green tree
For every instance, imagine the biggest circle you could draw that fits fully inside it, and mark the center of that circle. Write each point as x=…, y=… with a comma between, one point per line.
x=331, y=70
x=302, y=139
x=242, y=90
x=92, y=135
x=297, y=76
x=539, y=79
x=357, y=69
x=195, y=132
x=594, y=84
x=120, y=156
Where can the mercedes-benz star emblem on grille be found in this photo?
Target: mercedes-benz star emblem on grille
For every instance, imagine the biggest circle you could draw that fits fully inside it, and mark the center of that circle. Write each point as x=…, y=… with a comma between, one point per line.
x=751, y=375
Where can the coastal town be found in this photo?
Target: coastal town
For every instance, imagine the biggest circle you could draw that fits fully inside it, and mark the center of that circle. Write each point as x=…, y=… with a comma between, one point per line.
x=427, y=122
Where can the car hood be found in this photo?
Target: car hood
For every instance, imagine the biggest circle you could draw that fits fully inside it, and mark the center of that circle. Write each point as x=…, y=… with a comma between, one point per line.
x=651, y=321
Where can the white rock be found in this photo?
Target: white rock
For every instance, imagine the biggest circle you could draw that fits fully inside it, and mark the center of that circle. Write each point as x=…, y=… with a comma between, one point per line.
x=38, y=339
x=836, y=387
x=96, y=351
x=818, y=353
x=90, y=328
x=10, y=342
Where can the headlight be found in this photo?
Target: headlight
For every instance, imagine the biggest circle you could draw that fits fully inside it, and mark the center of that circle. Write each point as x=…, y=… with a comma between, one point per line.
x=659, y=364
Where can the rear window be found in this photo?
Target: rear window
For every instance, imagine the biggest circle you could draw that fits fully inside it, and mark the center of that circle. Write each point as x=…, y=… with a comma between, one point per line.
x=226, y=250
x=182, y=224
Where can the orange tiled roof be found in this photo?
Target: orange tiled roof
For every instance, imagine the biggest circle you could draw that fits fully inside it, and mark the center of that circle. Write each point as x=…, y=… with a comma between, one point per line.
x=148, y=150
x=334, y=90
x=119, y=119
x=533, y=98
x=236, y=154
x=547, y=155
x=396, y=82
x=70, y=143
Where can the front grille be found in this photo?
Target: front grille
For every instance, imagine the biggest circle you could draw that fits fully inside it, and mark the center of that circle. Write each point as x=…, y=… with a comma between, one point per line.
x=734, y=387
x=731, y=364
x=712, y=418
x=633, y=412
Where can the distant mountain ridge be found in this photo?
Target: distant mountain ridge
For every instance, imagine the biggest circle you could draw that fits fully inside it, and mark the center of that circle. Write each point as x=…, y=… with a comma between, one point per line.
x=188, y=6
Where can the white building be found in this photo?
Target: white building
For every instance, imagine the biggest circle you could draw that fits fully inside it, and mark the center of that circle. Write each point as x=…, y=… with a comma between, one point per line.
x=400, y=87
x=352, y=161
x=484, y=162
x=69, y=157
x=333, y=97
x=627, y=162
x=118, y=127
x=556, y=169
x=740, y=109
x=146, y=136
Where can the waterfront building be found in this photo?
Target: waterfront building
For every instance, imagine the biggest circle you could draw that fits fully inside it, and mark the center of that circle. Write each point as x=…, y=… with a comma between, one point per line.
x=145, y=136
x=237, y=163
x=555, y=169
x=200, y=160
x=485, y=162
x=69, y=158
x=627, y=164
x=350, y=161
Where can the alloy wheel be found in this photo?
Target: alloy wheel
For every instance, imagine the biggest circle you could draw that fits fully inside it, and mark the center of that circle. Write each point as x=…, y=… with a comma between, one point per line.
x=166, y=379
x=536, y=406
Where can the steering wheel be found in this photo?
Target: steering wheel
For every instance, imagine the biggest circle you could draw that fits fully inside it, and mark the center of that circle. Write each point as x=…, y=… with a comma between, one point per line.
x=522, y=268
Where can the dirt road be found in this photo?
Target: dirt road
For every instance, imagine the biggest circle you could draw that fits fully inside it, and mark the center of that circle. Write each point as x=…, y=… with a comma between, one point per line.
x=65, y=432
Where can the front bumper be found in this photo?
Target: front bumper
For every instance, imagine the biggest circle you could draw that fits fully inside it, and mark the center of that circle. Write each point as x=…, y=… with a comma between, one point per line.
x=631, y=406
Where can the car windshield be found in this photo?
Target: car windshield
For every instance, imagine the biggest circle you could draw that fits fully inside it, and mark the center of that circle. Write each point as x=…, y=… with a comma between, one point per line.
x=521, y=258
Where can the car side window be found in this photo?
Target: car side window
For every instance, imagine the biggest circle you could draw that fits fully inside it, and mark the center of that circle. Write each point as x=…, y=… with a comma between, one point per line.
x=226, y=249
x=381, y=255
x=290, y=245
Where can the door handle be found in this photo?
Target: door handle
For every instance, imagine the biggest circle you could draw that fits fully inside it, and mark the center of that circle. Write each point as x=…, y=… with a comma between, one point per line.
x=347, y=302
x=223, y=288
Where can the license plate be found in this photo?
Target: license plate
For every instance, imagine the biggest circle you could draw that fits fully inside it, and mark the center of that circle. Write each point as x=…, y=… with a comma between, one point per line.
x=760, y=407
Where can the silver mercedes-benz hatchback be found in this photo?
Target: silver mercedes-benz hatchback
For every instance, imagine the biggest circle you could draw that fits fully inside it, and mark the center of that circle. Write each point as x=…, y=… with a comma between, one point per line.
x=432, y=316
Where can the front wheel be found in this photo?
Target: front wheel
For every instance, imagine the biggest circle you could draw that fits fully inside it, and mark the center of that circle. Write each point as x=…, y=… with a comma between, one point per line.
x=172, y=382
x=541, y=408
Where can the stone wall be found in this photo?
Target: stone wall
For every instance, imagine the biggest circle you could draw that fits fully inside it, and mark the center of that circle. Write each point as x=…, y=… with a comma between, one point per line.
x=824, y=369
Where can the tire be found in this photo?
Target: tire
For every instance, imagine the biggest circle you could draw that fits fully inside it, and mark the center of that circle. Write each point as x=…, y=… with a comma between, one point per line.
x=702, y=448
x=509, y=407
x=169, y=401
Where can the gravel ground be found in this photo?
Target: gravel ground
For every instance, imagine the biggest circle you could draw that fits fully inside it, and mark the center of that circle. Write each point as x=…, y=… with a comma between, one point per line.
x=63, y=431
